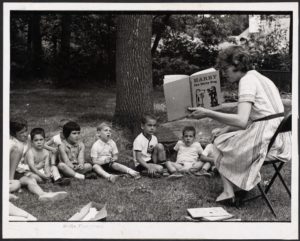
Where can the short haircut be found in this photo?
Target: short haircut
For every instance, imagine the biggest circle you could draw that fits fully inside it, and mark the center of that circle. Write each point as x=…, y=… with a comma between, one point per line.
x=37, y=131
x=235, y=56
x=189, y=128
x=16, y=124
x=102, y=125
x=69, y=127
x=148, y=116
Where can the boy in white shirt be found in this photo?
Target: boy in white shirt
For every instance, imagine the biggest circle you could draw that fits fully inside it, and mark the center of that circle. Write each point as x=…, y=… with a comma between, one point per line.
x=148, y=154
x=189, y=155
x=104, y=155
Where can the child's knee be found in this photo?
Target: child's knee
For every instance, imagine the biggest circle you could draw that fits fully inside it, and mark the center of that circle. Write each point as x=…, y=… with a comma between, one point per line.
x=88, y=167
x=159, y=168
x=95, y=166
x=61, y=166
x=160, y=147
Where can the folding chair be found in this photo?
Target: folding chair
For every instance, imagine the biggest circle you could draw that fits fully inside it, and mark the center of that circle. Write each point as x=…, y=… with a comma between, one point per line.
x=285, y=126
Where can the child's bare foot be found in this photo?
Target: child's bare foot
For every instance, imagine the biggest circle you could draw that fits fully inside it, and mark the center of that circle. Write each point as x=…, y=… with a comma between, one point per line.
x=53, y=196
x=113, y=178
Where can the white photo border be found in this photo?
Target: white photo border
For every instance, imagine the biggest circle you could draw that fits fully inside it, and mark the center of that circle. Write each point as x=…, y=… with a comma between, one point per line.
x=151, y=230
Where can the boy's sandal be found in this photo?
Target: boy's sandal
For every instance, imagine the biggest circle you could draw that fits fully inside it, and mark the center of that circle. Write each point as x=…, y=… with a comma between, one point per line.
x=175, y=176
x=203, y=173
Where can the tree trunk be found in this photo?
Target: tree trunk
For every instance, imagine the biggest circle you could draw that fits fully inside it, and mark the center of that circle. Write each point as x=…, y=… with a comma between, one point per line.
x=162, y=28
x=35, y=41
x=64, y=54
x=133, y=70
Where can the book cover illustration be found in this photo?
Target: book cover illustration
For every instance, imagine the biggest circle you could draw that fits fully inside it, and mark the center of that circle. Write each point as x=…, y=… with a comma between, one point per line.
x=183, y=91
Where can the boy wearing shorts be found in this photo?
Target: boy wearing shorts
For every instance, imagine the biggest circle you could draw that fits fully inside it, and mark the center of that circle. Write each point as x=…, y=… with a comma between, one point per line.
x=41, y=162
x=188, y=153
x=148, y=154
x=104, y=155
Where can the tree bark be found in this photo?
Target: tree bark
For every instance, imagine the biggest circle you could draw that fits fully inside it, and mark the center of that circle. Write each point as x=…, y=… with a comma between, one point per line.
x=159, y=33
x=133, y=70
x=64, y=53
x=35, y=43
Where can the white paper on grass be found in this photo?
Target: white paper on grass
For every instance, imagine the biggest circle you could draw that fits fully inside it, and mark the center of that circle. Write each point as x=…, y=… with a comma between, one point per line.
x=208, y=212
x=90, y=213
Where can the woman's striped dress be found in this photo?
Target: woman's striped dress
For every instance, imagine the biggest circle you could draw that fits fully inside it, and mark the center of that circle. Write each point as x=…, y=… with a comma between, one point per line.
x=240, y=154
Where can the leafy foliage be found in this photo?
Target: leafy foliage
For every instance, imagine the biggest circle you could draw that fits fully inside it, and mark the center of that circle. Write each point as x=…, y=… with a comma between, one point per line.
x=181, y=44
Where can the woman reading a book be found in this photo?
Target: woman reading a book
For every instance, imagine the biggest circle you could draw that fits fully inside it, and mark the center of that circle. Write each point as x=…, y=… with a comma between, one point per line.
x=240, y=148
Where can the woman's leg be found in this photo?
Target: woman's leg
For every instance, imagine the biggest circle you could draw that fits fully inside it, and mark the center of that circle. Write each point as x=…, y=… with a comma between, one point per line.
x=227, y=190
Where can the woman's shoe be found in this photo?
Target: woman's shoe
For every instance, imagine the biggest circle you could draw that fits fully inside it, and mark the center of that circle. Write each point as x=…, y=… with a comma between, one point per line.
x=228, y=201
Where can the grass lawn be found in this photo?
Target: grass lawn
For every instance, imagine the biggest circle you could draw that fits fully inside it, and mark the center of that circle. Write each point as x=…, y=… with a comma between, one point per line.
x=127, y=200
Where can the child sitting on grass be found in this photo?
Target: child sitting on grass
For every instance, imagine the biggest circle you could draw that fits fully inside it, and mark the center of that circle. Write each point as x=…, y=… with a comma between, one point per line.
x=38, y=160
x=104, y=155
x=56, y=140
x=148, y=154
x=71, y=154
x=18, y=139
x=188, y=153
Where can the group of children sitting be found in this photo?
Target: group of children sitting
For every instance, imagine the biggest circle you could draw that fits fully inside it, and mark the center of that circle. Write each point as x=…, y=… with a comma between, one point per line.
x=62, y=157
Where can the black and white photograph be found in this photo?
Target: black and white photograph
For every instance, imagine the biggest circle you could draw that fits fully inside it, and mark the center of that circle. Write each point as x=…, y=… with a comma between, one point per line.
x=150, y=120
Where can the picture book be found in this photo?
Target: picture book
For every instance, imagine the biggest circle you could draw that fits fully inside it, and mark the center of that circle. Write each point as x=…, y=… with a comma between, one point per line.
x=200, y=89
x=90, y=212
x=208, y=213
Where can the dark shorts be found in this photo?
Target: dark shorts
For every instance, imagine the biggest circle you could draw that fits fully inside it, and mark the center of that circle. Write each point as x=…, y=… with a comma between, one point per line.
x=19, y=175
x=140, y=168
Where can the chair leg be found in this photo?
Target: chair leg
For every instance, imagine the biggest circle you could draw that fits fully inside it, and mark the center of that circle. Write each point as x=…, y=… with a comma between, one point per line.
x=277, y=173
x=266, y=199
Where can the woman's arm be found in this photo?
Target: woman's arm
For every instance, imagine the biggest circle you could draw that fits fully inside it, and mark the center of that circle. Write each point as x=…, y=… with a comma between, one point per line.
x=14, y=159
x=239, y=120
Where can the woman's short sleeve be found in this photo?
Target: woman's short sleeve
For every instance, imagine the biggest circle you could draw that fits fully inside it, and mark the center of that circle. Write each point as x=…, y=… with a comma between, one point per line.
x=247, y=88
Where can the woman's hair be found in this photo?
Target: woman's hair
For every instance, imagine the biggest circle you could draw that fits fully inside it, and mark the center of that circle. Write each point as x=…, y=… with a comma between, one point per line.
x=16, y=124
x=189, y=128
x=69, y=127
x=37, y=131
x=102, y=125
x=236, y=56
